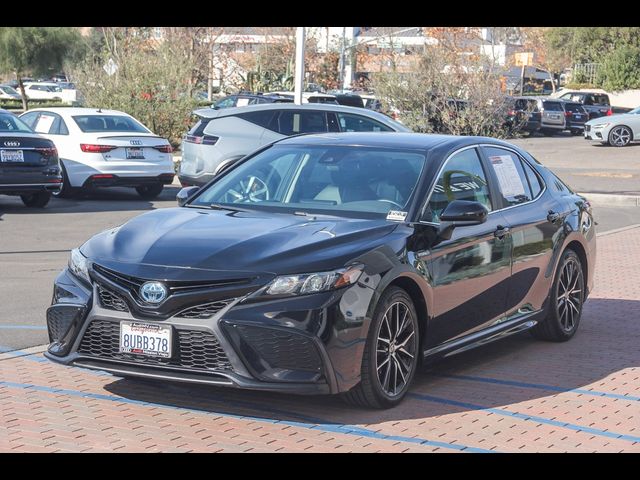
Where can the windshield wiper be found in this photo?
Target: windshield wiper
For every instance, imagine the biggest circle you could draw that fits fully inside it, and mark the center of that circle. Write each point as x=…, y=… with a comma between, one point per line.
x=217, y=206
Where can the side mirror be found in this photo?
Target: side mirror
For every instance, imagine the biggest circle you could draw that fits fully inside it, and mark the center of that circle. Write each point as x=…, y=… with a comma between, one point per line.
x=464, y=212
x=185, y=194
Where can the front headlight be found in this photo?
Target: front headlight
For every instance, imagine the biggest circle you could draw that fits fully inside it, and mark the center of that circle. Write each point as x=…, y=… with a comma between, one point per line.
x=601, y=125
x=79, y=265
x=307, y=283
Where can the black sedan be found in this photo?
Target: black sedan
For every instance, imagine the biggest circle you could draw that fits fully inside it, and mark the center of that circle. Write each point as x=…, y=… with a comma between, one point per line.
x=28, y=162
x=333, y=263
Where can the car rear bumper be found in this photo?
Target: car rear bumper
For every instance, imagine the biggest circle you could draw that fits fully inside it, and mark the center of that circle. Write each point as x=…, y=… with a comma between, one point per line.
x=195, y=180
x=80, y=171
x=25, y=189
x=109, y=180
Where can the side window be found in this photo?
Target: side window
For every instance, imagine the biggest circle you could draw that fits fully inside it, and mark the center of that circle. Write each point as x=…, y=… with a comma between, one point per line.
x=30, y=118
x=45, y=123
x=291, y=122
x=261, y=118
x=533, y=179
x=357, y=123
x=462, y=178
x=226, y=102
x=512, y=179
x=332, y=122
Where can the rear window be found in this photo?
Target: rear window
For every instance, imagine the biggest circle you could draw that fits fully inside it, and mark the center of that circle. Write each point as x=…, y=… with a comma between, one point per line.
x=198, y=128
x=11, y=123
x=552, y=106
x=108, y=123
x=600, y=99
x=573, y=107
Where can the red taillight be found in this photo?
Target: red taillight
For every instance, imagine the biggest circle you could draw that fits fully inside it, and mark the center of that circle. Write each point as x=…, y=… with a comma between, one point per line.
x=609, y=112
x=47, y=151
x=102, y=175
x=568, y=114
x=90, y=148
x=164, y=148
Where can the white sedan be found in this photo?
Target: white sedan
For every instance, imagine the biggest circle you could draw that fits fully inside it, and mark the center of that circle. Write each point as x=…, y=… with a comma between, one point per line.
x=617, y=130
x=104, y=148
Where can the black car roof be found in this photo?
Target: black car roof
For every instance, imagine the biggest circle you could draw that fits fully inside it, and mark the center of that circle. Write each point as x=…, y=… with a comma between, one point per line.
x=417, y=141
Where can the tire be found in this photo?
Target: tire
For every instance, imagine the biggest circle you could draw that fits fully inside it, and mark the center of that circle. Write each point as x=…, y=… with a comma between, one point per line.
x=149, y=192
x=620, y=136
x=36, y=200
x=67, y=191
x=563, y=316
x=388, y=389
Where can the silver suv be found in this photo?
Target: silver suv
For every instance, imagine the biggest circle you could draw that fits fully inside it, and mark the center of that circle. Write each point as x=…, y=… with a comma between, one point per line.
x=220, y=137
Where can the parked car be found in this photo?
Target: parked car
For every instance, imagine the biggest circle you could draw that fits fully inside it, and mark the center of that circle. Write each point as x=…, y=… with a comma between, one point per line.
x=221, y=137
x=522, y=114
x=42, y=91
x=104, y=148
x=29, y=165
x=332, y=264
x=244, y=99
x=310, y=97
x=349, y=99
x=552, y=117
x=596, y=104
x=575, y=117
x=9, y=93
x=616, y=130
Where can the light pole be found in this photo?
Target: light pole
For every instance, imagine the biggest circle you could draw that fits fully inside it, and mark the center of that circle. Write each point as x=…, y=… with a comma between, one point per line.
x=299, y=76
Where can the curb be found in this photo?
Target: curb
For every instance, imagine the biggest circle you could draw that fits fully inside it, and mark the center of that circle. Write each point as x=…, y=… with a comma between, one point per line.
x=19, y=352
x=612, y=199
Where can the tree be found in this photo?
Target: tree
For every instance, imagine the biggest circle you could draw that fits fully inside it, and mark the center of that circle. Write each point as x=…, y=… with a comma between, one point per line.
x=36, y=50
x=621, y=69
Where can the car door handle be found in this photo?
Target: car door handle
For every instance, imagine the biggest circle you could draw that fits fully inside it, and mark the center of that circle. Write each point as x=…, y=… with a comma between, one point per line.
x=553, y=216
x=501, y=232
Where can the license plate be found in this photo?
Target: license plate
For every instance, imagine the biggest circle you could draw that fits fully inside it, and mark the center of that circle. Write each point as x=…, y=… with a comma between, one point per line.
x=134, y=153
x=577, y=117
x=11, y=156
x=555, y=117
x=148, y=339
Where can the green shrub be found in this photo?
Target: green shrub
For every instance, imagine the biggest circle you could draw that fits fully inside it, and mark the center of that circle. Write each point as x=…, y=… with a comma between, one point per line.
x=621, y=69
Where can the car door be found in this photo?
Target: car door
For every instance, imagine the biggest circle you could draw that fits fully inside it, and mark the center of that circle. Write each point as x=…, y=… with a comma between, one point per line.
x=52, y=126
x=469, y=273
x=535, y=220
x=289, y=122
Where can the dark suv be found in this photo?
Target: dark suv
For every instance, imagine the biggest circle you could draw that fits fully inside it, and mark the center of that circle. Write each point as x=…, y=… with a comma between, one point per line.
x=29, y=165
x=523, y=114
x=596, y=104
x=575, y=117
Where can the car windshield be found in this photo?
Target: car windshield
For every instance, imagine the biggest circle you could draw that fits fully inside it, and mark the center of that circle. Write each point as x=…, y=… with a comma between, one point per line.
x=108, y=123
x=11, y=123
x=362, y=182
x=8, y=90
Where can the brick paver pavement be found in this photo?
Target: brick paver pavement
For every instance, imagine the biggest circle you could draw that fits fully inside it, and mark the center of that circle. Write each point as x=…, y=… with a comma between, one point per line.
x=515, y=395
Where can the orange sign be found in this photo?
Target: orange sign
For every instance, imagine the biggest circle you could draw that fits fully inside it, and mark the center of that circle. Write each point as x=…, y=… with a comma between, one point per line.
x=523, y=59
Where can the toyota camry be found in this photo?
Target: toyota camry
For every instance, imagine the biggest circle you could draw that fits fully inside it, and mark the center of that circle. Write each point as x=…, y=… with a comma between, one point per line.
x=332, y=263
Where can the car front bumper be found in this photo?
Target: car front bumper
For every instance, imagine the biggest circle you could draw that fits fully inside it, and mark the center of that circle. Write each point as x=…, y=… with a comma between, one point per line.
x=596, y=134
x=303, y=345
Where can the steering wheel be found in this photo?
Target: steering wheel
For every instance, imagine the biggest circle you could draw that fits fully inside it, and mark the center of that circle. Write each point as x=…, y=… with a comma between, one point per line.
x=250, y=189
x=390, y=201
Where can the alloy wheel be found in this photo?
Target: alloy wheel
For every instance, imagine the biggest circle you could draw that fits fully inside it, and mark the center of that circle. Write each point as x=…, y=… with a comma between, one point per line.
x=620, y=136
x=395, y=349
x=569, y=295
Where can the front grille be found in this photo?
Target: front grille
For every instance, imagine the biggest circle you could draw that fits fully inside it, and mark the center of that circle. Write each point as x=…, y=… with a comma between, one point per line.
x=206, y=310
x=192, y=349
x=111, y=300
x=282, y=349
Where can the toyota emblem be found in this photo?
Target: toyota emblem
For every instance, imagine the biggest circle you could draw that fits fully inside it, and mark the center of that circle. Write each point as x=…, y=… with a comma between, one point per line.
x=153, y=292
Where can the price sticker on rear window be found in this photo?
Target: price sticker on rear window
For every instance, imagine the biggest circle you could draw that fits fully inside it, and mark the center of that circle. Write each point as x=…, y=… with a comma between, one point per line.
x=396, y=215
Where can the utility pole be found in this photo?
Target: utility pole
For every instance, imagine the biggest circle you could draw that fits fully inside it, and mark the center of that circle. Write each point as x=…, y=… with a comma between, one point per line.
x=299, y=76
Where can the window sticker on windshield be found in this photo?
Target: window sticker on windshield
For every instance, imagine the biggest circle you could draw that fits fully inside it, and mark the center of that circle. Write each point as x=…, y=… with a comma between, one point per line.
x=44, y=123
x=396, y=215
x=242, y=102
x=507, y=174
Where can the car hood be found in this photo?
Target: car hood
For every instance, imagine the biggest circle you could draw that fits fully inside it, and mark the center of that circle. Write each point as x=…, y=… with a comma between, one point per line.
x=237, y=241
x=615, y=118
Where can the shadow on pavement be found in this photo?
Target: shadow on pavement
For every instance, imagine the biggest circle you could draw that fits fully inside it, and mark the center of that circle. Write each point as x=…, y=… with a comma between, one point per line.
x=606, y=343
x=98, y=200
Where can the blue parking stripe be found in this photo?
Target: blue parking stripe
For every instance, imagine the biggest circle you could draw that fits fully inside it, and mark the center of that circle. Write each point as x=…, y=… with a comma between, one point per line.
x=522, y=416
x=325, y=427
x=23, y=327
x=540, y=386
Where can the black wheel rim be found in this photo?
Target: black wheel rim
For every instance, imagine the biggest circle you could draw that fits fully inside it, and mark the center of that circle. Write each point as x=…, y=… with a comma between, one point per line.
x=569, y=295
x=395, y=349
